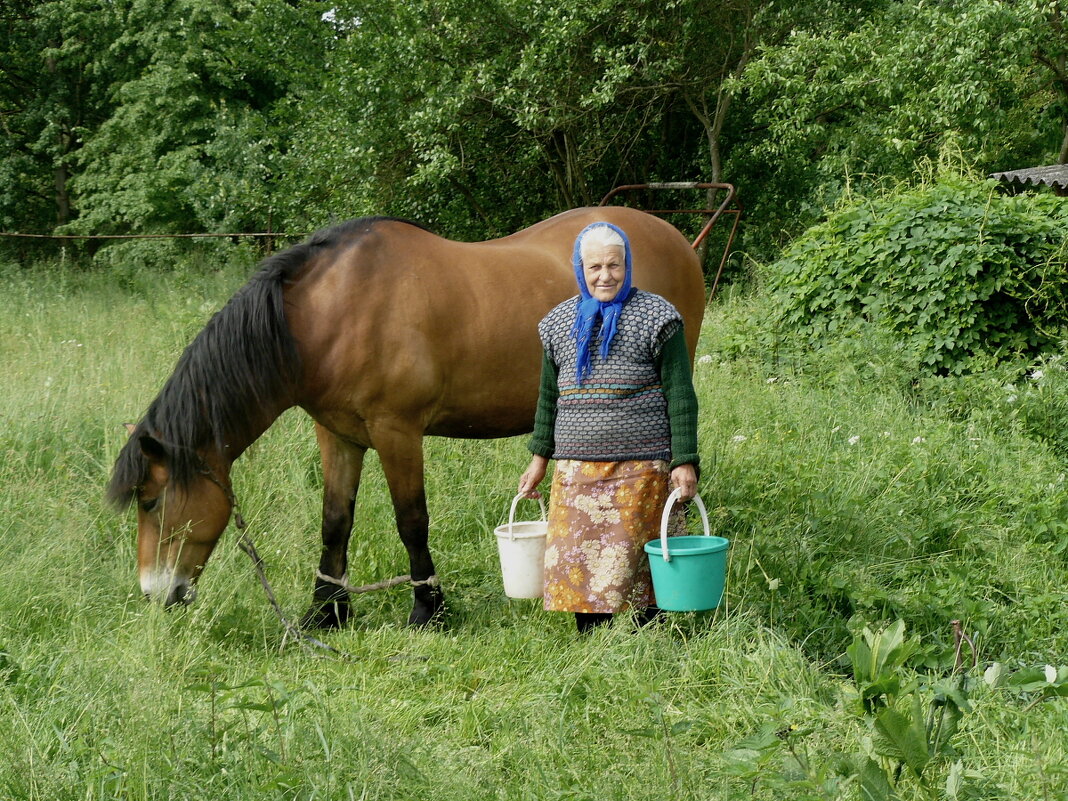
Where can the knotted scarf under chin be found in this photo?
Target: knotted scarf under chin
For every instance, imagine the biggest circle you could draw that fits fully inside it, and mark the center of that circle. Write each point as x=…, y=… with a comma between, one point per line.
x=590, y=309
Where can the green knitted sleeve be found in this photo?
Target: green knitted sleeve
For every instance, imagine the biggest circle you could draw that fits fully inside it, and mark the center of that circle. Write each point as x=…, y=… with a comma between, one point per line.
x=677, y=380
x=543, y=442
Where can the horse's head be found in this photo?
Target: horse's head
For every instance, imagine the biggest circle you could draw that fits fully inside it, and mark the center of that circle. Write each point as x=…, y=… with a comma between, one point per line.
x=180, y=516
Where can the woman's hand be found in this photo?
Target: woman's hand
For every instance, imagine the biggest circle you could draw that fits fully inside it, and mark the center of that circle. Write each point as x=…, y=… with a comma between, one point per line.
x=684, y=478
x=532, y=476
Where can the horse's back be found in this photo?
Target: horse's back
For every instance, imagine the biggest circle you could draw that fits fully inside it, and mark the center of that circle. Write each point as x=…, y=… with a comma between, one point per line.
x=442, y=335
x=664, y=261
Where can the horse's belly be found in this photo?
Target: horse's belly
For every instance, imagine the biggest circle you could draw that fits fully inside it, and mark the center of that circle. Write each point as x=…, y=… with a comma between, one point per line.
x=491, y=412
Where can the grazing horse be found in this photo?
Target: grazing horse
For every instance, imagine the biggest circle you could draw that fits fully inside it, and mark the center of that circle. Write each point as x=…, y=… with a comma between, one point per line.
x=384, y=333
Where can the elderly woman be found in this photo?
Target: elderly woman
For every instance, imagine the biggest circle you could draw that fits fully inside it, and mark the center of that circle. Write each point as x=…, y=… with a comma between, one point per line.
x=618, y=412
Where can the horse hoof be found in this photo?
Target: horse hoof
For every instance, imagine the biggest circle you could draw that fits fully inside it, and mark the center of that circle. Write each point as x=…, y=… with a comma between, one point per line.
x=329, y=610
x=428, y=614
x=333, y=615
x=420, y=620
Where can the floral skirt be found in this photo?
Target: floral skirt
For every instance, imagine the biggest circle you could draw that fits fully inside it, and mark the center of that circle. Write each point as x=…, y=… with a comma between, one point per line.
x=601, y=514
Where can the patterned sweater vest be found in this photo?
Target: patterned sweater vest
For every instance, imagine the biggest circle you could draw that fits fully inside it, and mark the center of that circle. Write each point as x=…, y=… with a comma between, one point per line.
x=619, y=411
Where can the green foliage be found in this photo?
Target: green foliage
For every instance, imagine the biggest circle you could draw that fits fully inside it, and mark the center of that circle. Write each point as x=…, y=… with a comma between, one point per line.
x=50, y=94
x=109, y=697
x=861, y=495
x=191, y=143
x=901, y=724
x=954, y=270
x=892, y=703
x=479, y=118
x=877, y=659
x=857, y=100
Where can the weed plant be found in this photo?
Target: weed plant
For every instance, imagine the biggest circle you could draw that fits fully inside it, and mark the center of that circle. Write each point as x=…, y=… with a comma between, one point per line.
x=855, y=500
x=954, y=268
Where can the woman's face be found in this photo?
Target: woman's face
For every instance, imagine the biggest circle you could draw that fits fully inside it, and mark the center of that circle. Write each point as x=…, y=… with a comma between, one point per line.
x=604, y=269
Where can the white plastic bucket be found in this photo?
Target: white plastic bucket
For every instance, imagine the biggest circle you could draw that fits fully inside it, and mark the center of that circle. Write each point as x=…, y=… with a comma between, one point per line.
x=522, y=550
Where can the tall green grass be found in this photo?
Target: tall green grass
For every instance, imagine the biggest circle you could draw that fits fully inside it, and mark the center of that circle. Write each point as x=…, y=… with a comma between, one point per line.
x=852, y=497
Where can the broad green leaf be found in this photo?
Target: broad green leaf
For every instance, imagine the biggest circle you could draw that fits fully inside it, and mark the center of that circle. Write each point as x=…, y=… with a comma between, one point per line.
x=903, y=737
x=874, y=785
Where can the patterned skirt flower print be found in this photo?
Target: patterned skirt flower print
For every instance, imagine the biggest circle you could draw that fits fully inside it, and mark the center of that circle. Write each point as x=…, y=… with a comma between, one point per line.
x=601, y=514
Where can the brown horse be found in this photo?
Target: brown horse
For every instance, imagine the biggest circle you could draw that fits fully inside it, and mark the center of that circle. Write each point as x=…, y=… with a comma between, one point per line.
x=384, y=333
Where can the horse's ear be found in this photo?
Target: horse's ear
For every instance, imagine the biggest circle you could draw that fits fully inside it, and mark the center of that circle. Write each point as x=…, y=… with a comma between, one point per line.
x=153, y=449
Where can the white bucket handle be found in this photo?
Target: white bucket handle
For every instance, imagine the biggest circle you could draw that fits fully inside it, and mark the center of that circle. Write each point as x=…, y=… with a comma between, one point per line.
x=672, y=499
x=511, y=513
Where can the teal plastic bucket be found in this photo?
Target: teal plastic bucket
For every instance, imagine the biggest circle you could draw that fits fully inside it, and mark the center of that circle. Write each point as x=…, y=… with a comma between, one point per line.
x=689, y=573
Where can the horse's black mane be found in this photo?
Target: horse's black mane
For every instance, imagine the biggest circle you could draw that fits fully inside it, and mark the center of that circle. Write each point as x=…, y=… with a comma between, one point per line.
x=244, y=358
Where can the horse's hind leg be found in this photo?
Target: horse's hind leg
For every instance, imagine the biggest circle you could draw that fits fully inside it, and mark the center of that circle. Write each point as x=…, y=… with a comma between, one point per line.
x=401, y=454
x=342, y=465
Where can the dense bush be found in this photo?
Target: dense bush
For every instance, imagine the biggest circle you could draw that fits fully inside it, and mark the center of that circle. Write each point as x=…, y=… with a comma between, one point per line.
x=952, y=270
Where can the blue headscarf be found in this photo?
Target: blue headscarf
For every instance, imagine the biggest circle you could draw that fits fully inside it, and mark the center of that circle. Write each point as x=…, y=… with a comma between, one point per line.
x=589, y=308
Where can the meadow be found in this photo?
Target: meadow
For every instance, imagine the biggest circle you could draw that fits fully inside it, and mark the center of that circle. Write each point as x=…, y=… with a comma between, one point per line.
x=867, y=510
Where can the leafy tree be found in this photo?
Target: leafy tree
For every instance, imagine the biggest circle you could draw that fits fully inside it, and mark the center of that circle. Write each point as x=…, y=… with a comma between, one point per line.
x=865, y=98
x=480, y=117
x=49, y=96
x=133, y=116
x=195, y=131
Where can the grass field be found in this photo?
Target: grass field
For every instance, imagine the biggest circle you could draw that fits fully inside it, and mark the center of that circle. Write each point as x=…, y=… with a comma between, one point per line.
x=853, y=496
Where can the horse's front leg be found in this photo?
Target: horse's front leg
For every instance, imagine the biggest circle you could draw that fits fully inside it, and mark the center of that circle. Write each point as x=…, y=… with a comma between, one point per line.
x=342, y=465
x=401, y=453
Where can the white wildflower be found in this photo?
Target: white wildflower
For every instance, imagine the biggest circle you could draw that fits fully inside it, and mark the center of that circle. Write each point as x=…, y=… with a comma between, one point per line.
x=773, y=379
x=705, y=360
x=853, y=440
x=918, y=440
x=739, y=438
x=1036, y=375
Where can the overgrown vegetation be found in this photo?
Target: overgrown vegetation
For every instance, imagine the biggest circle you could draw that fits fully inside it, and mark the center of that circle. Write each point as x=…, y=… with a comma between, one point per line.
x=866, y=512
x=479, y=118
x=884, y=405
x=954, y=271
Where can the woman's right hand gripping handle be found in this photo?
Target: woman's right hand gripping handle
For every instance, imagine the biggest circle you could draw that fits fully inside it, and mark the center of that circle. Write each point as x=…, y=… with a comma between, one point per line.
x=532, y=477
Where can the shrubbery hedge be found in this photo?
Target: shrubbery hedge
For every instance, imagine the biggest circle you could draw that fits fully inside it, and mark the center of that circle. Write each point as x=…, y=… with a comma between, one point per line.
x=954, y=270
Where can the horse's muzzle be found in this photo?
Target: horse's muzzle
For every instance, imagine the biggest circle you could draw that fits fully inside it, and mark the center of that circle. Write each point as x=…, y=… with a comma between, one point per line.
x=177, y=592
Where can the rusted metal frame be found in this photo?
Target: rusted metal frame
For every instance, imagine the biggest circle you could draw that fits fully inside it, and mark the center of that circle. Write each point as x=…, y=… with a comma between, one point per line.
x=730, y=197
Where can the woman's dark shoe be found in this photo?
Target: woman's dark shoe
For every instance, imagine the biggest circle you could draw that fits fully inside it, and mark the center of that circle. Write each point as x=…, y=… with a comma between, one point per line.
x=588, y=621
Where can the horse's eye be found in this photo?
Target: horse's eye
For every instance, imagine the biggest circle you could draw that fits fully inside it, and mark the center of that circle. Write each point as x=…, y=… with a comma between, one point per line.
x=148, y=506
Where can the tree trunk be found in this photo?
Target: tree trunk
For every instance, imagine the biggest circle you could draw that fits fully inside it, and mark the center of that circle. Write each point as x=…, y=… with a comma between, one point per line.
x=60, y=174
x=62, y=195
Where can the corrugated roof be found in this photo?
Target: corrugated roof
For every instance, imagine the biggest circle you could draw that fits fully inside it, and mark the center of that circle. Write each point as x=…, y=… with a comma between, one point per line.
x=1055, y=175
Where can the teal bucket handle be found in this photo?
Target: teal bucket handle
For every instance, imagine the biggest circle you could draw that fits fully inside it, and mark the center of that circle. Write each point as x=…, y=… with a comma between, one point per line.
x=671, y=501
x=511, y=513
